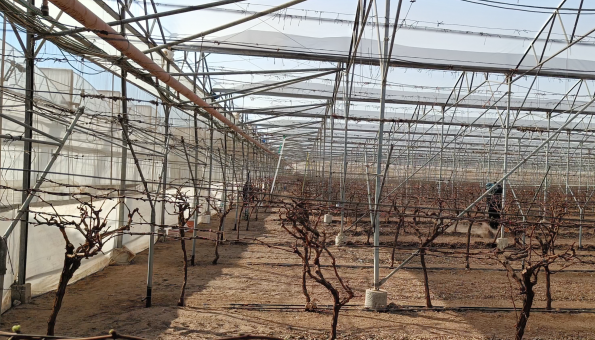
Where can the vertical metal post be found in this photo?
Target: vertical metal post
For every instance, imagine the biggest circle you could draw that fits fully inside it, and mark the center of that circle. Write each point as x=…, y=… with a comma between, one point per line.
x=211, y=128
x=567, y=167
x=323, y=144
x=224, y=182
x=330, y=166
x=384, y=63
x=167, y=110
x=490, y=155
x=580, y=227
x=278, y=165
x=408, y=159
x=441, y=155
x=344, y=175
x=2, y=92
x=124, y=157
x=28, y=148
x=580, y=167
x=505, y=165
x=547, y=165
x=196, y=196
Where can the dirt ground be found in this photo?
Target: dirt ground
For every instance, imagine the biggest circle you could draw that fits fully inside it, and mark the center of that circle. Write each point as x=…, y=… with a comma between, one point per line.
x=251, y=273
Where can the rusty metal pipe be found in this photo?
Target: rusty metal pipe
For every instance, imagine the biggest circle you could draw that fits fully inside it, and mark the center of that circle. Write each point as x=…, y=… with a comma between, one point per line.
x=91, y=21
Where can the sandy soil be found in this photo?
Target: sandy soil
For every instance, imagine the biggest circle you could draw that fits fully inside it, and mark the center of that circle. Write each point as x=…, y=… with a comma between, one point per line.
x=250, y=273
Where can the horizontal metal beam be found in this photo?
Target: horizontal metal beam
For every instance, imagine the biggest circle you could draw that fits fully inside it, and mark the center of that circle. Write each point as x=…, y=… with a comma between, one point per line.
x=226, y=73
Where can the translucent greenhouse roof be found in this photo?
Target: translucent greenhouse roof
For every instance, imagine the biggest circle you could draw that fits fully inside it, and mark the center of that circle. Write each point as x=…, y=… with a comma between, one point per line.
x=335, y=49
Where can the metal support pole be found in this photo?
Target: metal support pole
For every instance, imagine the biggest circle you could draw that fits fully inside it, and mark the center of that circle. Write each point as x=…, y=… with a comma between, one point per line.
x=2, y=75
x=330, y=166
x=324, y=146
x=580, y=228
x=167, y=110
x=278, y=165
x=124, y=157
x=505, y=165
x=489, y=155
x=339, y=239
x=408, y=159
x=27, y=148
x=379, y=153
x=196, y=196
x=547, y=166
x=441, y=155
x=211, y=128
x=3, y=257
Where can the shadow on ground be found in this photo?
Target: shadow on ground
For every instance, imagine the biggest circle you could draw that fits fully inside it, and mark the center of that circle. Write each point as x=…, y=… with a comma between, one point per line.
x=114, y=297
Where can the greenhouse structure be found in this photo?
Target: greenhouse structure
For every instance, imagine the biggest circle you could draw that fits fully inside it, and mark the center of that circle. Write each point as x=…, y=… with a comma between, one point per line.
x=304, y=169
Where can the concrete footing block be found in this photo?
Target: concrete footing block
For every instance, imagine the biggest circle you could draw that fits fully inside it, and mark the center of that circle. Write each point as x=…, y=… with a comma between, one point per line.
x=204, y=219
x=20, y=294
x=502, y=243
x=340, y=239
x=376, y=299
x=121, y=256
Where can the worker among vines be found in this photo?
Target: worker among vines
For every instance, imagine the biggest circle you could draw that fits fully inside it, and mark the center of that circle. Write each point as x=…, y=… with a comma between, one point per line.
x=247, y=194
x=494, y=200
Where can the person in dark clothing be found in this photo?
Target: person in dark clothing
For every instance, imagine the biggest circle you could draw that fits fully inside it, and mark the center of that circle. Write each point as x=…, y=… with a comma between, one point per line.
x=494, y=200
x=247, y=195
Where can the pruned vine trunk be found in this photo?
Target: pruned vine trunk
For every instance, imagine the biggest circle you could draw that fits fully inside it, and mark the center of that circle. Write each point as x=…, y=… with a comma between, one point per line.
x=527, y=304
x=392, y=256
x=309, y=306
x=548, y=291
x=336, y=309
x=185, y=267
x=467, y=264
x=236, y=225
x=216, y=259
x=71, y=264
x=422, y=257
x=249, y=213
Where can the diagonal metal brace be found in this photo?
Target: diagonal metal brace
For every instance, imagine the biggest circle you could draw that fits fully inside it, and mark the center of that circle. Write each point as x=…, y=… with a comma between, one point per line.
x=25, y=206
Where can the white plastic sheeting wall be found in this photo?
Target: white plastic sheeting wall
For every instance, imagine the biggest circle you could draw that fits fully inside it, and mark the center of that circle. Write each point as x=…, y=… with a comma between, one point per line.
x=86, y=160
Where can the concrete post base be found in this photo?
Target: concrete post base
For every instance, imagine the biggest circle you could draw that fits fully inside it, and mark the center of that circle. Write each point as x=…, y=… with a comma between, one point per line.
x=121, y=256
x=340, y=239
x=20, y=294
x=502, y=243
x=376, y=299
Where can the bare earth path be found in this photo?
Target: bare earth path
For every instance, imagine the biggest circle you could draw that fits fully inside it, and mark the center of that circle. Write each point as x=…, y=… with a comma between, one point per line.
x=112, y=298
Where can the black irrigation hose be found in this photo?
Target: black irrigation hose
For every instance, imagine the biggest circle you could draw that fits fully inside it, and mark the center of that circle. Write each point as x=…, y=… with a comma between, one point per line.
x=403, y=308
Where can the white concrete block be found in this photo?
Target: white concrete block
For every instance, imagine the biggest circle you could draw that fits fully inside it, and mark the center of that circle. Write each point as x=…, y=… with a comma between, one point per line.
x=376, y=299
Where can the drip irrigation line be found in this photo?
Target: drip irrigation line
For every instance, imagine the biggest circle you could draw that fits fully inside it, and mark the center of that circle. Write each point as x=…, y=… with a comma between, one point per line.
x=363, y=266
x=405, y=308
